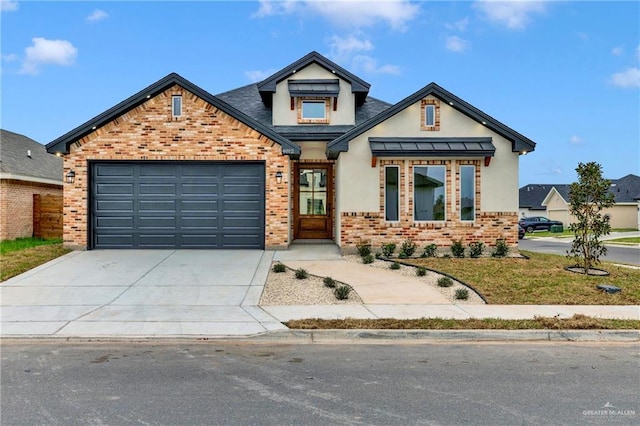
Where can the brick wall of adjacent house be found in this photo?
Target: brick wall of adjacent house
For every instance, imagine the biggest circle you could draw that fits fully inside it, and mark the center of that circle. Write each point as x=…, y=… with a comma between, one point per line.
x=16, y=206
x=149, y=132
x=358, y=227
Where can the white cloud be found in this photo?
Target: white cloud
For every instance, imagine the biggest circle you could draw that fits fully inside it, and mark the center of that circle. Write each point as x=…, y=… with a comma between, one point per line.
x=617, y=51
x=515, y=14
x=456, y=44
x=10, y=57
x=347, y=13
x=256, y=75
x=576, y=140
x=8, y=6
x=627, y=79
x=43, y=51
x=97, y=15
x=460, y=25
x=370, y=65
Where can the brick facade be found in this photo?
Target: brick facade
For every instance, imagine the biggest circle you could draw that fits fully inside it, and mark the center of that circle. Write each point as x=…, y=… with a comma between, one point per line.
x=487, y=227
x=16, y=206
x=150, y=132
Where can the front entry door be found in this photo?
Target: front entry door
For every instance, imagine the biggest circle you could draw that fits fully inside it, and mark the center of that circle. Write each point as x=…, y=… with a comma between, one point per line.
x=312, y=201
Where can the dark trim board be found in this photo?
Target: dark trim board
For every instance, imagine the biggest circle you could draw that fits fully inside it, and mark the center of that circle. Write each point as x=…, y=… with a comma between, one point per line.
x=176, y=205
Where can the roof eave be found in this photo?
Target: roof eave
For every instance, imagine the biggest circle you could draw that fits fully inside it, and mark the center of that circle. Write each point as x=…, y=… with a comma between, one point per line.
x=61, y=145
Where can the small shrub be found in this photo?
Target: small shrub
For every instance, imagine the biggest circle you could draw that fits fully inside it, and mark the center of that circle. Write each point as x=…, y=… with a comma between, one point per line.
x=408, y=247
x=301, y=274
x=342, y=292
x=446, y=256
x=421, y=271
x=402, y=255
x=502, y=249
x=445, y=282
x=329, y=282
x=378, y=255
x=367, y=259
x=364, y=249
x=394, y=266
x=388, y=249
x=462, y=294
x=279, y=267
x=476, y=249
x=457, y=249
x=430, y=250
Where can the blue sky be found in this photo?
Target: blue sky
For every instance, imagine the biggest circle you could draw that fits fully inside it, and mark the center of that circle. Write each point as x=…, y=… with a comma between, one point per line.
x=565, y=74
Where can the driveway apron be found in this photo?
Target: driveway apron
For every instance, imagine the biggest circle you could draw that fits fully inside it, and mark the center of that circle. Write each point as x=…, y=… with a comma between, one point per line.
x=103, y=293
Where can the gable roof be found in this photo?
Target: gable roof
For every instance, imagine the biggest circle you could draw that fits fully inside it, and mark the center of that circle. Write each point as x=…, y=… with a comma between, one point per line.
x=268, y=86
x=16, y=163
x=561, y=190
x=62, y=143
x=519, y=143
x=532, y=195
x=626, y=189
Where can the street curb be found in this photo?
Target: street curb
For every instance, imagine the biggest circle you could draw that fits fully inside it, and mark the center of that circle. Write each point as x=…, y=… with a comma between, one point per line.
x=363, y=336
x=369, y=336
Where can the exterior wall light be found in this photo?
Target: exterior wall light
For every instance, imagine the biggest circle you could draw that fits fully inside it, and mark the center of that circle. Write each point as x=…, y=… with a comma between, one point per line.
x=71, y=176
x=278, y=178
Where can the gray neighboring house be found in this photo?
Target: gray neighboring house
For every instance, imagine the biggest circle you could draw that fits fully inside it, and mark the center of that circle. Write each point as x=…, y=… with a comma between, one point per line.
x=552, y=201
x=25, y=169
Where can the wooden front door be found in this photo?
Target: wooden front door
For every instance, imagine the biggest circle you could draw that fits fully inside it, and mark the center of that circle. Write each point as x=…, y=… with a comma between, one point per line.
x=313, y=186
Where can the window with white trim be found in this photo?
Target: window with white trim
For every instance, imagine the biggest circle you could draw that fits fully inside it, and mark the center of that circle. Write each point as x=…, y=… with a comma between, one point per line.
x=313, y=110
x=176, y=106
x=392, y=193
x=467, y=193
x=429, y=115
x=429, y=193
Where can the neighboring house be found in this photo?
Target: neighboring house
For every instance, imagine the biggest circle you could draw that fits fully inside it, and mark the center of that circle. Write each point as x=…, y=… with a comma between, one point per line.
x=532, y=195
x=25, y=169
x=625, y=214
x=303, y=154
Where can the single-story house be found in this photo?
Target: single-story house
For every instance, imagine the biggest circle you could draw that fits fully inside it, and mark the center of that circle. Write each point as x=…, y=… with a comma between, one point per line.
x=26, y=169
x=532, y=195
x=625, y=214
x=304, y=154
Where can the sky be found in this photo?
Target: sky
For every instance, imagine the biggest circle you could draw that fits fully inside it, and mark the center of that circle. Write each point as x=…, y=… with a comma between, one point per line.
x=564, y=74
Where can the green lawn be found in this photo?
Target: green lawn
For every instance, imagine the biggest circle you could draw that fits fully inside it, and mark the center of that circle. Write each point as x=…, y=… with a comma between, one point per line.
x=629, y=240
x=540, y=280
x=23, y=254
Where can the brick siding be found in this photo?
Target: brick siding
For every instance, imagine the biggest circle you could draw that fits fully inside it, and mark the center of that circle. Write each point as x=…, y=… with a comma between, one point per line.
x=16, y=206
x=149, y=132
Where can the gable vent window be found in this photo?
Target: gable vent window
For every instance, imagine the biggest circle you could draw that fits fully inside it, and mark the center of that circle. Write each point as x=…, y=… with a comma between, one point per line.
x=430, y=109
x=176, y=106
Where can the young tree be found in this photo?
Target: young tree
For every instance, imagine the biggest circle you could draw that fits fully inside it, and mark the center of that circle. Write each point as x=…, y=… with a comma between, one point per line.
x=587, y=198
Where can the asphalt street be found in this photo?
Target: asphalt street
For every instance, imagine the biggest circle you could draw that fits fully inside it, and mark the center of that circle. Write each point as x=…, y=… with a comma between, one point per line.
x=621, y=254
x=352, y=384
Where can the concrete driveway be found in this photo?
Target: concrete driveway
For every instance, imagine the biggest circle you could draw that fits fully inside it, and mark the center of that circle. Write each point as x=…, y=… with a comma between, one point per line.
x=140, y=293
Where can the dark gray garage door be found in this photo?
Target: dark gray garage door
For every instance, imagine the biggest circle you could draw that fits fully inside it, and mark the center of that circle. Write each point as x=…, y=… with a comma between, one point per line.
x=177, y=205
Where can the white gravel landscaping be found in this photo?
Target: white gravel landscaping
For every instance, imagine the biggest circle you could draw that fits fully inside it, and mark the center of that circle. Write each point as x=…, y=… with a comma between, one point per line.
x=285, y=289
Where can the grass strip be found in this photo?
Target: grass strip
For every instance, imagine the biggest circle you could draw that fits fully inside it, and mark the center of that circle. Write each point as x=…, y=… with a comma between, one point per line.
x=577, y=322
x=17, y=262
x=8, y=246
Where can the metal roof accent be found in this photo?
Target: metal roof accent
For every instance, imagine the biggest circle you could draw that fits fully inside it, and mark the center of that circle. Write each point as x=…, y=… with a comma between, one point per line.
x=519, y=143
x=268, y=86
x=62, y=143
x=328, y=87
x=432, y=147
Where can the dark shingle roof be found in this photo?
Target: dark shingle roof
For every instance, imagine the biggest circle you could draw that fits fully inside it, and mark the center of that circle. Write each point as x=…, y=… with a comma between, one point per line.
x=247, y=99
x=532, y=195
x=626, y=189
x=432, y=147
x=14, y=160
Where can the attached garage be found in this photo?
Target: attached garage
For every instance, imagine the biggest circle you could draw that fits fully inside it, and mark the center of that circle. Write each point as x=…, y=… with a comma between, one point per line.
x=175, y=205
